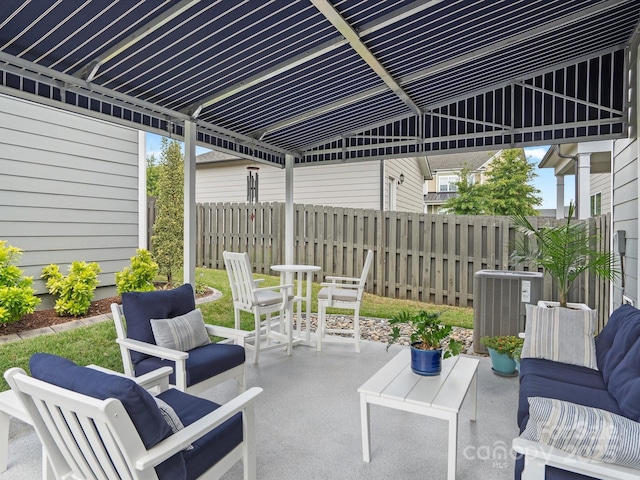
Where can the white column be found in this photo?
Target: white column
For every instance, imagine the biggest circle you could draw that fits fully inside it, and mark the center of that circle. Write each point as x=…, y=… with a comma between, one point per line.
x=288, y=210
x=190, y=202
x=583, y=186
x=559, y=197
x=142, y=191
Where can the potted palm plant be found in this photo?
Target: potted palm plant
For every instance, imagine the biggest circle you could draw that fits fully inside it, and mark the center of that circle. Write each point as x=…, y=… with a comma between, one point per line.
x=430, y=340
x=564, y=251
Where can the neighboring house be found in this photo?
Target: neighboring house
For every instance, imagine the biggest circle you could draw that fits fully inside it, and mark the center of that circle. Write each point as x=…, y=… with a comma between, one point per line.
x=68, y=190
x=446, y=172
x=590, y=162
x=380, y=185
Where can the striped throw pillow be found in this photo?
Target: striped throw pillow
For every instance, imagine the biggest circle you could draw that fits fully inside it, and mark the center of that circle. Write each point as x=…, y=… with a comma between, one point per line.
x=584, y=431
x=560, y=334
x=183, y=333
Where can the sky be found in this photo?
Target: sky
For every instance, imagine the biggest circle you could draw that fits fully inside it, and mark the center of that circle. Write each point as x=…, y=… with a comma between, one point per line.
x=545, y=180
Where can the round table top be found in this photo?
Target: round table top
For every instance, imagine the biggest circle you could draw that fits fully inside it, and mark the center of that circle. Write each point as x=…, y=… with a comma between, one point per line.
x=295, y=268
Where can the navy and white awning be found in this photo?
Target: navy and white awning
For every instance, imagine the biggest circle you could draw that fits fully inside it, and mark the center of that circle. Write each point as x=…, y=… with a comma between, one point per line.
x=330, y=80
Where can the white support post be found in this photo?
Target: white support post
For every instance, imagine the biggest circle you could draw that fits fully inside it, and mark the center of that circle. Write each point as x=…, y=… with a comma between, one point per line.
x=288, y=211
x=142, y=191
x=190, y=202
x=583, y=186
x=559, y=197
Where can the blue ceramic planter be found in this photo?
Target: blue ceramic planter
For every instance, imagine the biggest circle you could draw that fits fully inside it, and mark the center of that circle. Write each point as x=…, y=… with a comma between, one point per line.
x=426, y=362
x=502, y=363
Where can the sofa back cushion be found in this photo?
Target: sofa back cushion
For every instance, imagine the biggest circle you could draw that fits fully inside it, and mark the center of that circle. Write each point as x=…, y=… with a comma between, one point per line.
x=140, y=307
x=616, y=339
x=624, y=383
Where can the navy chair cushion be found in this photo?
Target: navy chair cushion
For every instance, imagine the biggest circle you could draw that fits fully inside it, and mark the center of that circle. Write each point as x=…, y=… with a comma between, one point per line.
x=562, y=372
x=536, y=386
x=203, y=362
x=138, y=403
x=140, y=307
x=212, y=447
x=619, y=334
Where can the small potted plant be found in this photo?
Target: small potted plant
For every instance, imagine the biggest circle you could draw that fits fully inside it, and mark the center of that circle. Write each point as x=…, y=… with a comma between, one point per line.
x=430, y=340
x=501, y=349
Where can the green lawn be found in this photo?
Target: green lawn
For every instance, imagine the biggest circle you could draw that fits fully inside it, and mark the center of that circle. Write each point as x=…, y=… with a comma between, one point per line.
x=96, y=344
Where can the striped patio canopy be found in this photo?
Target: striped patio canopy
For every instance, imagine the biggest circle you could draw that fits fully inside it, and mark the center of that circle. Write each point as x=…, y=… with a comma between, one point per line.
x=330, y=80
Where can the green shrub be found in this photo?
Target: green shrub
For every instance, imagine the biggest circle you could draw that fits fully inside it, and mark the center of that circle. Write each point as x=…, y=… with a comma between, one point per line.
x=75, y=291
x=138, y=277
x=17, y=296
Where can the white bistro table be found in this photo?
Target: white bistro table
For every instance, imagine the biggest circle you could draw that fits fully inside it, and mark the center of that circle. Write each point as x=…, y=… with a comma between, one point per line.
x=441, y=396
x=302, y=273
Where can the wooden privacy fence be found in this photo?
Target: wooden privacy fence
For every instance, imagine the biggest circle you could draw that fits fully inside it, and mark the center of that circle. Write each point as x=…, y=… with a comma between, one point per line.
x=430, y=258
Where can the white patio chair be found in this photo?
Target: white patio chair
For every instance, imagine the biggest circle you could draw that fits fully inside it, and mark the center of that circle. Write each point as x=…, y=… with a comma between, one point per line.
x=248, y=297
x=98, y=425
x=342, y=292
x=194, y=370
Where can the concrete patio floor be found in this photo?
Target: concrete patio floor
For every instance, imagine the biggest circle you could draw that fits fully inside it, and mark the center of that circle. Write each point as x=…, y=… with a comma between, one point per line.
x=308, y=423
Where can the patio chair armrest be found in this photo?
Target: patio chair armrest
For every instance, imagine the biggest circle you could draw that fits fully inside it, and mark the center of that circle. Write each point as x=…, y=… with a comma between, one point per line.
x=153, y=350
x=339, y=285
x=343, y=279
x=154, y=378
x=543, y=454
x=276, y=287
x=256, y=281
x=179, y=440
x=226, y=332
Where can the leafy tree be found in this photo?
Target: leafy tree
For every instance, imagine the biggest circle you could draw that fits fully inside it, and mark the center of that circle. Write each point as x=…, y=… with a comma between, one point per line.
x=507, y=191
x=153, y=174
x=168, y=231
x=470, y=199
x=509, y=188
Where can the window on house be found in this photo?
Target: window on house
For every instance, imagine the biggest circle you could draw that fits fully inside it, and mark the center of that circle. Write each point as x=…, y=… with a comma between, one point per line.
x=447, y=183
x=596, y=204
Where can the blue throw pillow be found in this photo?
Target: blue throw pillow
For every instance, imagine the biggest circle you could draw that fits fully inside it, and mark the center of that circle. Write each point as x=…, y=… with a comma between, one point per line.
x=140, y=307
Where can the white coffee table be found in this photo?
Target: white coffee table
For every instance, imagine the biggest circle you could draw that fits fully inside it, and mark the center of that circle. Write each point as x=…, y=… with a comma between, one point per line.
x=441, y=396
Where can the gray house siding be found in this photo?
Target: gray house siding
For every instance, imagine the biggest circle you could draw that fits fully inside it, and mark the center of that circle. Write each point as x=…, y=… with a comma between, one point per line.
x=68, y=189
x=625, y=213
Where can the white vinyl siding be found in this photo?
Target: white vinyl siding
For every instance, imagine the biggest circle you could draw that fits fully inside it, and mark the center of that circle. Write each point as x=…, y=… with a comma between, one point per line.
x=355, y=185
x=625, y=212
x=68, y=189
x=410, y=194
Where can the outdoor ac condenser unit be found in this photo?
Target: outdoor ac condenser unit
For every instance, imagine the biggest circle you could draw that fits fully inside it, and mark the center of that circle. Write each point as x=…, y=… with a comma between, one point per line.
x=499, y=299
